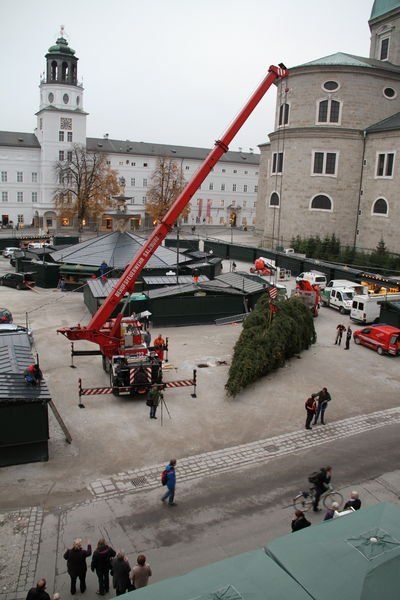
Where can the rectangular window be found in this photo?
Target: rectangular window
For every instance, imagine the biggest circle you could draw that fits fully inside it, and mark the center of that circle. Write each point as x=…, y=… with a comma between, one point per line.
x=335, y=110
x=69, y=136
x=34, y=196
x=34, y=178
x=323, y=111
x=61, y=155
x=223, y=170
x=20, y=218
x=60, y=136
x=4, y=176
x=133, y=200
x=277, y=162
x=245, y=188
x=384, y=53
x=20, y=177
x=69, y=156
x=144, y=199
x=145, y=164
x=234, y=188
x=144, y=182
x=187, y=168
x=385, y=164
x=133, y=182
x=234, y=170
x=329, y=111
x=4, y=196
x=211, y=186
x=244, y=203
x=284, y=114
x=256, y=188
x=324, y=163
x=222, y=187
x=20, y=196
x=222, y=203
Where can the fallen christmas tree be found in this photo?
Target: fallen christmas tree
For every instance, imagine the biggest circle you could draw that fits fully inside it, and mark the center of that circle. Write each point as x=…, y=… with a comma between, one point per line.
x=268, y=339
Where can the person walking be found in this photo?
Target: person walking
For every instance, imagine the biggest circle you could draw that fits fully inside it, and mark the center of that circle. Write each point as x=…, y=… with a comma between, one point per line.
x=321, y=485
x=348, y=338
x=76, y=564
x=170, y=482
x=340, y=329
x=323, y=397
x=140, y=573
x=299, y=522
x=311, y=407
x=120, y=570
x=38, y=592
x=354, y=501
x=153, y=400
x=101, y=563
x=330, y=513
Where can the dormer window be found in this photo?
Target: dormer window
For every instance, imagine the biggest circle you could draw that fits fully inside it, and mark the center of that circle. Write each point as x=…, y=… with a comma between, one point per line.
x=384, y=48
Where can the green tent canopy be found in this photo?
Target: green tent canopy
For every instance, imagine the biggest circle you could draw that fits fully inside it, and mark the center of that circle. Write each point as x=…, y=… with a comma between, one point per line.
x=355, y=557
x=249, y=576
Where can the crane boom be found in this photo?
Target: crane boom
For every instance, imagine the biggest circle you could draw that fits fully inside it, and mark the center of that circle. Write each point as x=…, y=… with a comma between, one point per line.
x=126, y=283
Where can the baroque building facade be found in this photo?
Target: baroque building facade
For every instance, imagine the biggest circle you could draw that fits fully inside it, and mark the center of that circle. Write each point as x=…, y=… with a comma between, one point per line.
x=27, y=161
x=332, y=164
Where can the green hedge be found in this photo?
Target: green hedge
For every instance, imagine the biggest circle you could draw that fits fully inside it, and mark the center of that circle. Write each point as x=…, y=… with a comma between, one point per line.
x=265, y=344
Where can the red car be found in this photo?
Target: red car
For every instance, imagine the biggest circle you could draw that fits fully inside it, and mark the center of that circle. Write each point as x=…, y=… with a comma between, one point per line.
x=385, y=339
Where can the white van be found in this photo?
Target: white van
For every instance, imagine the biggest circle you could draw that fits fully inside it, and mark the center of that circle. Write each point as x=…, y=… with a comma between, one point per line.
x=338, y=297
x=366, y=309
x=314, y=277
x=345, y=283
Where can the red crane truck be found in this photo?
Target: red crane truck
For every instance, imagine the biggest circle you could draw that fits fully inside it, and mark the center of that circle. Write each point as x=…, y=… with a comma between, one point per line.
x=120, y=339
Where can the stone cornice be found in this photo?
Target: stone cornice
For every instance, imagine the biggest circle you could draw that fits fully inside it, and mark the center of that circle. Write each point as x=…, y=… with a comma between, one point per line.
x=373, y=71
x=317, y=132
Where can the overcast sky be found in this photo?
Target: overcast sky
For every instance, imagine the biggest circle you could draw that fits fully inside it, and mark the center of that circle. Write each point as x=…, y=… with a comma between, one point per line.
x=170, y=71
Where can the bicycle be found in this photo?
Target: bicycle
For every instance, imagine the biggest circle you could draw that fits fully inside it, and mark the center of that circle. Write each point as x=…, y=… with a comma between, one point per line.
x=304, y=500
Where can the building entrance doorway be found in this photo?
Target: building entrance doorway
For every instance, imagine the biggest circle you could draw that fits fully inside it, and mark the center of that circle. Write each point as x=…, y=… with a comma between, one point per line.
x=4, y=220
x=233, y=219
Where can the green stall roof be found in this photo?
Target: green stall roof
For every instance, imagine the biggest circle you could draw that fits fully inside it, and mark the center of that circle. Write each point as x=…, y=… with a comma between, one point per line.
x=250, y=576
x=354, y=557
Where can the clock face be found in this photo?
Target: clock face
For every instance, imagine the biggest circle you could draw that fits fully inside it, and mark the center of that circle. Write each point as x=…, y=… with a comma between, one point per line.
x=65, y=98
x=51, y=97
x=65, y=123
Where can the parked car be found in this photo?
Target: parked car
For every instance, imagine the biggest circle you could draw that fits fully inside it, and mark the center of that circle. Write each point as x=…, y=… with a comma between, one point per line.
x=12, y=327
x=385, y=339
x=5, y=316
x=8, y=252
x=20, y=281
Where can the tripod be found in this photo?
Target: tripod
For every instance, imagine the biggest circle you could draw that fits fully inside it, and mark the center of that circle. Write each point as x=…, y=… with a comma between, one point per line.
x=163, y=405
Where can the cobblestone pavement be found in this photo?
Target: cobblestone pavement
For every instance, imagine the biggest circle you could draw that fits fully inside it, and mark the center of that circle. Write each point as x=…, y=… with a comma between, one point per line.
x=28, y=523
x=213, y=463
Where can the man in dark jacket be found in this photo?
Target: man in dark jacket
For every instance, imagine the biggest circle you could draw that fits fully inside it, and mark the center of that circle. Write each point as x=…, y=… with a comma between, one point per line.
x=101, y=563
x=171, y=482
x=38, y=592
x=354, y=501
x=121, y=569
x=349, y=333
x=299, y=521
x=321, y=485
x=323, y=397
x=340, y=329
x=76, y=564
x=153, y=401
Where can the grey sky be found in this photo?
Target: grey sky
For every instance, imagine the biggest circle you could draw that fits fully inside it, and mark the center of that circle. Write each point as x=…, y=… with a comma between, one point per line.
x=170, y=71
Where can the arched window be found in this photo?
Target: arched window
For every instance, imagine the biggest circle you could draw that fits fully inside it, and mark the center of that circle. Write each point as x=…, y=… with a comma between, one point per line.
x=284, y=114
x=64, y=71
x=380, y=207
x=328, y=111
x=54, y=70
x=321, y=202
x=274, y=200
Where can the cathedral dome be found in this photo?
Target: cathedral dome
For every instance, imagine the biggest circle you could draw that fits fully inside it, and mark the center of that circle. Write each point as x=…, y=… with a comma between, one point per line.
x=61, y=47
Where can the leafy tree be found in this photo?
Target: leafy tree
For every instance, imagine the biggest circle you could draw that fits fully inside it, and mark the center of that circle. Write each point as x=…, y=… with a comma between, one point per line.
x=86, y=185
x=167, y=182
x=266, y=343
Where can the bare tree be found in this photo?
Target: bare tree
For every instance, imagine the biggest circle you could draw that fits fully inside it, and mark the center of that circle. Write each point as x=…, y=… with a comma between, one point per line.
x=167, y=182
x=86, y=185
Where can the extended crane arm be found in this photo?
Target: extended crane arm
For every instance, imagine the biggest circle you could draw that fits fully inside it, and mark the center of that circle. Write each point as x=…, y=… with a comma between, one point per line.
x=126, y=282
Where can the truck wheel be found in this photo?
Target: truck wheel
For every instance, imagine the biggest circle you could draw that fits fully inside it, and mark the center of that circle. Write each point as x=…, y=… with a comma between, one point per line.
x=380, y=350
x=341, y=310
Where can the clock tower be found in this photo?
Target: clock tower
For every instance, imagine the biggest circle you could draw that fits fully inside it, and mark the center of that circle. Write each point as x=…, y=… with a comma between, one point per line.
x=61, y=119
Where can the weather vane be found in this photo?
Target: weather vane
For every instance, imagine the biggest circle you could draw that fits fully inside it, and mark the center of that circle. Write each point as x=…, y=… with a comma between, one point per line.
x=62, y=30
